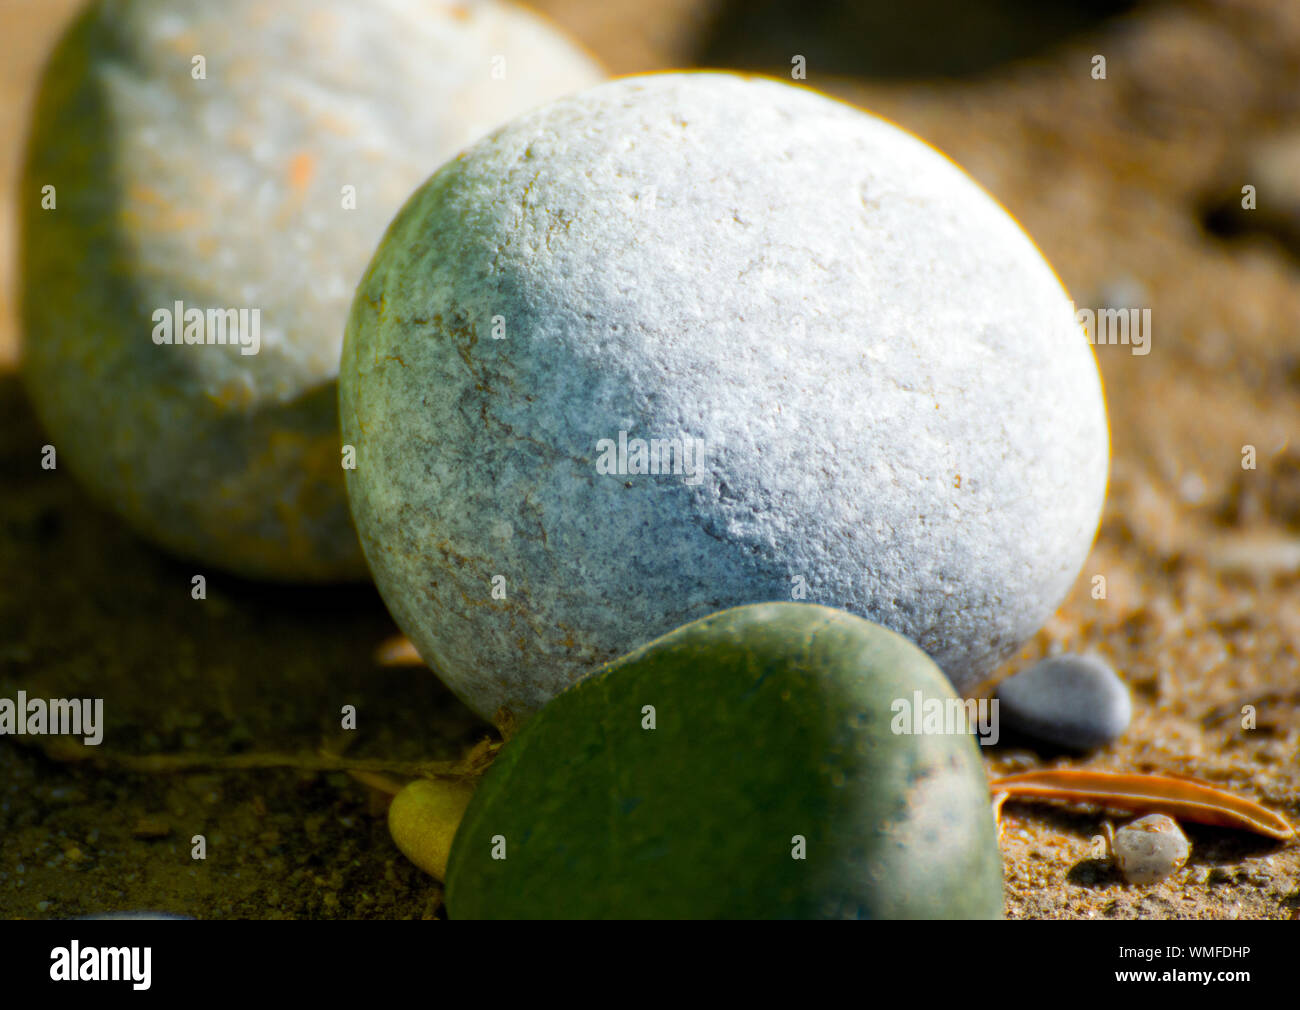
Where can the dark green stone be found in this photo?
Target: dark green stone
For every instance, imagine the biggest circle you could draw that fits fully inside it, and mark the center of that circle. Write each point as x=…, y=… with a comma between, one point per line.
x=772, y=721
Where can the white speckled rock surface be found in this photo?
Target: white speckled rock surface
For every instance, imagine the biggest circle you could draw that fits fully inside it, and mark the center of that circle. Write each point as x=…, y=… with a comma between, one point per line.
x=896, y=406
x=227, y=192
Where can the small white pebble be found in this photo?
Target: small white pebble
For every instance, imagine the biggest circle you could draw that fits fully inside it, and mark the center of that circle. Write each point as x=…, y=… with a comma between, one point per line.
x=1191, y=488
x=1149, y=849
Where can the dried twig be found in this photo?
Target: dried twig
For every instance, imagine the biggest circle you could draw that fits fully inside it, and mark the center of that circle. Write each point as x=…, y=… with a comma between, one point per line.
x=1184, y=799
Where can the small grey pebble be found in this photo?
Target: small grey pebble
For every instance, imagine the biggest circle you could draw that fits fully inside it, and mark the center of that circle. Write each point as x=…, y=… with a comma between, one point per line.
x=1123, y=292
x=1077, y=702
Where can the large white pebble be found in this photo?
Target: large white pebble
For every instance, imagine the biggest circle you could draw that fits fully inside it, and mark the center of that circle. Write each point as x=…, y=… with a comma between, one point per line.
x=898, y=413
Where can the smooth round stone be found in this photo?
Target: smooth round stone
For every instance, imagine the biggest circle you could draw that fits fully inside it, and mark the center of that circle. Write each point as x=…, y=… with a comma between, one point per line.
x=1077, y=702
x=422, y=821
x=881, y=396
x=230, y=192
x=1149, y=849
x=743, y=766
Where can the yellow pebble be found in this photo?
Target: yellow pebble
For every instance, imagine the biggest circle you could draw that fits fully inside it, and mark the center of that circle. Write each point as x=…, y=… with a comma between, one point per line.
x=423, y=819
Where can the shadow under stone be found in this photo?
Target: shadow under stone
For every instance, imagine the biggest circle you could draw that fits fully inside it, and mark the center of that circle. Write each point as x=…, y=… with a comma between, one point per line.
x=88, y=610
x=884, y=39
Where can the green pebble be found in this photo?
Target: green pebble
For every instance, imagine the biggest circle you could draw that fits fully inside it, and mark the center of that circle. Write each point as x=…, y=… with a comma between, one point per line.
x=771, y=739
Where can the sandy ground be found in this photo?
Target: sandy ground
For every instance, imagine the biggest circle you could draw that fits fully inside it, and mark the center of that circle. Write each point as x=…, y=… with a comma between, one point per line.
x=1131, y=186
